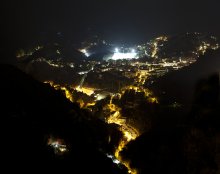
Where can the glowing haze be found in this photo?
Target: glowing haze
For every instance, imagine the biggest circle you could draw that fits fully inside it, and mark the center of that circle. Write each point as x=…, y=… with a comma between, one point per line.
x=117, y=56
x=132, y=54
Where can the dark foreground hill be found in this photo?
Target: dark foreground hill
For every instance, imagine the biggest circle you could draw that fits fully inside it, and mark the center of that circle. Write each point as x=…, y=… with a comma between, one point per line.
x=33, y=114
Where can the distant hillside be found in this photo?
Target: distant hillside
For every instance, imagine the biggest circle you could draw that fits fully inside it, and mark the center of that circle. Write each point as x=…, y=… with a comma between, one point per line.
x=51, y=62
x=61, y=62
x=53, y=52
x=178, y=86
x=187, y=45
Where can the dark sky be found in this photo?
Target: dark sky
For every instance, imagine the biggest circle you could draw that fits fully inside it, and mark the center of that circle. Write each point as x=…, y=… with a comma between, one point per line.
x=118, y=20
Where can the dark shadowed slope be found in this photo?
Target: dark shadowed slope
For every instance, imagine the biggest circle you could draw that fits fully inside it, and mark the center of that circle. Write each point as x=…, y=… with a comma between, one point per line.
x=191, y=146
x=178, y=86
x=33, y=115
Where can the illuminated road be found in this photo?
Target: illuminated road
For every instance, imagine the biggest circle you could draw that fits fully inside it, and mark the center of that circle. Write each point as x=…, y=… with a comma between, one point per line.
x=84, y=77
x=129, y=133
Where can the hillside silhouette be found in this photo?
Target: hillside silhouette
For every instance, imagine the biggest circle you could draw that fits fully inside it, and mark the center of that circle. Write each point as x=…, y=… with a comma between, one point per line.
x=179, y=86
x=32, y=113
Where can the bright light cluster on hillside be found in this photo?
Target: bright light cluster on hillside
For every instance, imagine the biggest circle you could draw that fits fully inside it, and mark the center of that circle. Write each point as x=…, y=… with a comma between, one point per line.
x=132, y=54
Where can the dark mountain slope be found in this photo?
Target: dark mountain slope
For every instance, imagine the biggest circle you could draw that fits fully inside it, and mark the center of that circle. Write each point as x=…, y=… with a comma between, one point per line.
x=191, y=146
x=178, y=86
x=31, y=114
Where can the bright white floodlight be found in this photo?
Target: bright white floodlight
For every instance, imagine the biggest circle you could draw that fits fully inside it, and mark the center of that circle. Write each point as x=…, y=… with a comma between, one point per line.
x=116, y=50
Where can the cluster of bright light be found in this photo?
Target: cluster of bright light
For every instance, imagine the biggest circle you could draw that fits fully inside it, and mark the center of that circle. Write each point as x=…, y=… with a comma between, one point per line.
x=117, y=56
x=58, y=145
x=99, y=97
x=155, y=45
x=114, y=160
x=85, y=52
x=85, y=90
x=120, y=55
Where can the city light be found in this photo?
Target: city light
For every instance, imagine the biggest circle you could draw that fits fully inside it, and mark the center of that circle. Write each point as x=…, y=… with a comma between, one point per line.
x=129, y=133
x=116, y=50
x=123, y=54
x=97, y=80
x=58, y=145
x=85, y=52
x=117, y=56
x=85, y=90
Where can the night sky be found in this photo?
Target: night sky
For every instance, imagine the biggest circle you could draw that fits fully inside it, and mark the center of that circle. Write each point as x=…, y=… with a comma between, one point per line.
x=117, y=20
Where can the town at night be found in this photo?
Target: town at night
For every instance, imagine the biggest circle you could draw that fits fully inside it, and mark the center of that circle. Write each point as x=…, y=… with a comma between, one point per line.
x=114, y=87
